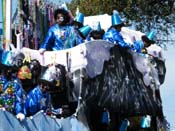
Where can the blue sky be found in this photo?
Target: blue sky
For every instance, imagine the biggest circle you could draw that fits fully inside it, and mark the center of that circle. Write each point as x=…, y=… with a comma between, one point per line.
x=168, y=88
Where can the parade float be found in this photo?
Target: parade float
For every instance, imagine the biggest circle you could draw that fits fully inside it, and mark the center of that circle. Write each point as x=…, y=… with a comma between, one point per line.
x=100, y=76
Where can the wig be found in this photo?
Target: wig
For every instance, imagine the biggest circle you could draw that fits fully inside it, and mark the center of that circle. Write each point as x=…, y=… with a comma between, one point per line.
x=64, y=13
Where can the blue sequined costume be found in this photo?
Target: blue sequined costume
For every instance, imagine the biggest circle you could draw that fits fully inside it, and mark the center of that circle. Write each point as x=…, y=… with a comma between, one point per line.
x=37, y=100
x=114, y=36
x=60, y=37
x=12, y=96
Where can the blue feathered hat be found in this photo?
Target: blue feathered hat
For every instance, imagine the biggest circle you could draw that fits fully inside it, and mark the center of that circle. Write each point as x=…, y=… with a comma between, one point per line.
x=116, y=20
x=98, y=28
x=149, y=38
x=80, y=18
x=85, y=30
x=151, y=35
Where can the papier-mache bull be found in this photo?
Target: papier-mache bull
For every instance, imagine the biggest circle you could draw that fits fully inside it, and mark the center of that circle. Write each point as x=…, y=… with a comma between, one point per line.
x=91, y=56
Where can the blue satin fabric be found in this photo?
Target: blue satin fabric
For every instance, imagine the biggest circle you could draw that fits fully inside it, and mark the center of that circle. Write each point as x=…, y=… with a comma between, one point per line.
x=36, y=100
x=137, y=46
x=61, y=37
x=114, y=36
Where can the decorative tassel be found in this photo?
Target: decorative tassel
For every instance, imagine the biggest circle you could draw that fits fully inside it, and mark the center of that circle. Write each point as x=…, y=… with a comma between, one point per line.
x=145, y=122
x=105, y=117
x=124, y=125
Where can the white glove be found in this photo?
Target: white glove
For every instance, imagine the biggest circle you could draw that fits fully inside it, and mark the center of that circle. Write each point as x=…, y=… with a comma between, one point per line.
x=2, y=108
x=20, y=116
x=41, y=51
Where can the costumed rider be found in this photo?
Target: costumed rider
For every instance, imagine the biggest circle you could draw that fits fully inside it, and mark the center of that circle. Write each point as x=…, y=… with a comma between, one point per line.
x=154, y=50
x=29, y=74
x=39, y=98
x=78, y=23
x=97, y=32
x=157, y=65
x=61, y=35
x=141, y=45
x=113, y=34
x=148, y=40
x=153, y=77
x=12, y=96
x=143, y=61
x=84, y=33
